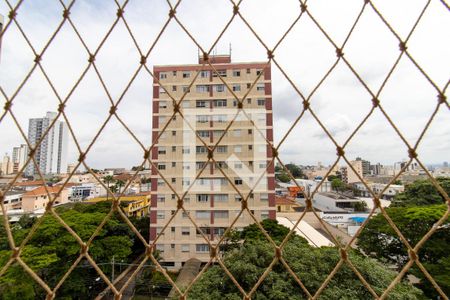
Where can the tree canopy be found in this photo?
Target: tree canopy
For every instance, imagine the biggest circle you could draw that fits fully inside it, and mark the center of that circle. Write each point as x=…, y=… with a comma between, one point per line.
x=248, y=261
x=422, y=192
x=52, y=250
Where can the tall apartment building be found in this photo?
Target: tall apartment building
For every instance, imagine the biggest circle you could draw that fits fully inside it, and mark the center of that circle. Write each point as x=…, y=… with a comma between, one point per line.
x=19, y=157
x=242, y=154
x=51, y=155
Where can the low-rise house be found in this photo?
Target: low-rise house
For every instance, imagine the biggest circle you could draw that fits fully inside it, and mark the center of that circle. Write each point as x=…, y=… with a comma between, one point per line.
x=285, y=204
x=28, y=185
x=13, y=200
x=38, y=198
x=133, y=206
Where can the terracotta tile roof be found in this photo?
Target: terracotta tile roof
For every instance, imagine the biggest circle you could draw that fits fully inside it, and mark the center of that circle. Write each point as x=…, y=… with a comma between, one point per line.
x=41, y=191
x=284, y=201
x=29, y=183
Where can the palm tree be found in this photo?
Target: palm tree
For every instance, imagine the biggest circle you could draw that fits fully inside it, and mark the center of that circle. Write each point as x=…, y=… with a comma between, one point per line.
x=108, y=180
x=119, y=184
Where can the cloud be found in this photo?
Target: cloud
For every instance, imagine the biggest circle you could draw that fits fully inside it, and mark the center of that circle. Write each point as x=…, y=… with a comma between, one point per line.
x=305, y=55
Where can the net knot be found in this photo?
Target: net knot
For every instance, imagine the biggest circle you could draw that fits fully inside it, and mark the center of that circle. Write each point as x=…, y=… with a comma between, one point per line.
x=344, y=254
x=305, y=105
x=244, y=204
x=412, y=254
x=120, y=13
x=402, y=46
x=278, y=252
x=205, y=56
x=441, y=98
x=7, y=105
x=212, y=252
x=303, y=7
x=37, y=58
x=375, y=102
x=172, y=13
x=66, y=13
x=412, y=153
x=143, y=60
x=12, y=14
x=84, y=249
x=180, y=203
x=376, y=202
x=308, y=204
x=339, y=52
x=61, y=107
x=240, y=105
x=146, y=154
x=81, y=157
x=210, y=153
x=340, y=151
x=270, y=54
x=112, y=110
x=274, y=151
x=235, y=9
x=91, y=58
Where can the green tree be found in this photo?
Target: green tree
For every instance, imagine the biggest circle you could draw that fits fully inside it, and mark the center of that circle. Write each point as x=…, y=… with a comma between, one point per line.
x=108, y=179
x=283, y=177
x=119, y=185
x=337, y=185
x=422, y=192
x=379, y=240
x=248, y=262
x=294, y=170
x=51, y=250
x=360, y=206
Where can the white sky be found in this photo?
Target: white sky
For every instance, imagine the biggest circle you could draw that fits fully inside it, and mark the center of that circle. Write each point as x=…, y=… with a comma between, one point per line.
x=305, y=55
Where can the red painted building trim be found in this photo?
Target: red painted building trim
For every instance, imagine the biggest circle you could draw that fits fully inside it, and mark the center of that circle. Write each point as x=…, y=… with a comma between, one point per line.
x=272, y=214
x=229, y=66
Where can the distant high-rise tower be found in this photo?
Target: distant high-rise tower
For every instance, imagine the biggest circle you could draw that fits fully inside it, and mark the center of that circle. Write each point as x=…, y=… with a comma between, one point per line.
x=19, y=157
x=51, y=155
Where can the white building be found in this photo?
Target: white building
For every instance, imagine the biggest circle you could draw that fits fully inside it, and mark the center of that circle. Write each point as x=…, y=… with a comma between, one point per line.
x=19, y=157
x=51, y=155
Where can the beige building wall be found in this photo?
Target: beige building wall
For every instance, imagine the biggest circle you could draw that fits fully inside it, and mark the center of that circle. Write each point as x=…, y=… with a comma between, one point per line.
x=352, y=177
x=243, y=155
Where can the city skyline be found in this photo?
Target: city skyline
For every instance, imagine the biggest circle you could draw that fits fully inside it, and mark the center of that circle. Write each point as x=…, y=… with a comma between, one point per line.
x=89, y=104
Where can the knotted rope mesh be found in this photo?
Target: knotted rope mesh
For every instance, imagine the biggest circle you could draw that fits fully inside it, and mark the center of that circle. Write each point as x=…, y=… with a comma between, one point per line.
x=143, y=66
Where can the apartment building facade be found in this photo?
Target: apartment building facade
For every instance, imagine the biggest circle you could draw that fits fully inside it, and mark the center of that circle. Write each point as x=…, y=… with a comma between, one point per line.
x=51, y=155
x=212, y=120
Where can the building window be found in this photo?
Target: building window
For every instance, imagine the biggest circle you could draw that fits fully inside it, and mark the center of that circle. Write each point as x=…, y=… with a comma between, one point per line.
x=204, y=74
x=202, y=103
x=199, y=165
x=185, y=231
x=260, y=87
x=185, y=248
x=186, y=74
x=174, y=73
x=174, y=133
x=161, y=198
x=264, y=197
x=263, y=165
x=238, y=181
x=220, y=88
x=238, y=165
x=237, y=149
x=202, y=198
x=202, y=88
x=160, y=247
x=186, y=89
x=236, y=73
x=201, y=149
x=249, y=100
x=202, y=248
x=185, y=103
x=161, y=150
x=248, y=71
x=174, y=164
x=174, y=180
x=186, y=150
x=258, y=72
x=221, y=214
x=174, y=88
x=236, y=87
x=261, y=102
x=218, y=133
x=162, y=75
x=250, y=147
x=202, y=118
x=184, y=215
x=202, y=214
x=264, y=214
x=221, y=164
x=237, y=132
x=162, y=90
x=221, y=149
x=221, y=198
x=162, y=104
x=221, y=73
x=220, y=103
x=220, y=118
x=161, y=166
x=203, y=133
x=160, y=182
x=174, y=148
x=160, y=215
x=162, y=119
